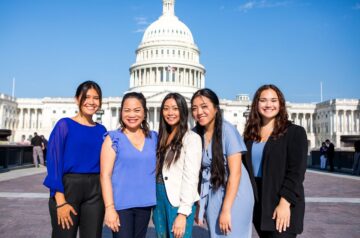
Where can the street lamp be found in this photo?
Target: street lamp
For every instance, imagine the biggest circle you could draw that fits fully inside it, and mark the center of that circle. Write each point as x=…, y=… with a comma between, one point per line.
x=99, y=114
x=247, y=112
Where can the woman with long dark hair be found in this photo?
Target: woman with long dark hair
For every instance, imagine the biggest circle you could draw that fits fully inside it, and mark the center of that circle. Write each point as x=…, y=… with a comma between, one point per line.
x=73, y=165
x=276, y=160
x=178, y=167
x=226, y=192
x=128, y=159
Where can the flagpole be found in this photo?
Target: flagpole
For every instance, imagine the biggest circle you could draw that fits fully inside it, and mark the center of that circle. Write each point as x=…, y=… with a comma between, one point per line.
x=13, y=88
x=321, y=98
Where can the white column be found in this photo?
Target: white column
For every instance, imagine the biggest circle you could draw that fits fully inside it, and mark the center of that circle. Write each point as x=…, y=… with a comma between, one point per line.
x=152, y=75
x=170, y=76
x=311, y=124
x=357, y=121
x=136, y=77
x=21, y=119
x=351, y=121
x=155, y=117
x=158, y=74
x=331, y=119
x=181, y=77
x=337, y=121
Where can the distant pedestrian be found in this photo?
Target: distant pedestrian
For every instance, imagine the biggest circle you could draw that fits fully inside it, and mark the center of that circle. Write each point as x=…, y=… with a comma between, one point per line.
x=356, y=166
x=323, y=155
x=73, y=165
x=38, y=147
x=23, y=141
x=45, y=142
x=330, y=154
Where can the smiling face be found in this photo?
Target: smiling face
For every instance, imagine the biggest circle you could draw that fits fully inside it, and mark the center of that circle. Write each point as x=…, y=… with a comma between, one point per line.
x=132, y=113
x=171, y=112
x=90, y=104
x=268, y=105
x=203, y=111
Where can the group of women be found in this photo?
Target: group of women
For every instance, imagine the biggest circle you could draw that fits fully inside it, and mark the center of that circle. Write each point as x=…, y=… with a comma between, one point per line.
x=180, y=174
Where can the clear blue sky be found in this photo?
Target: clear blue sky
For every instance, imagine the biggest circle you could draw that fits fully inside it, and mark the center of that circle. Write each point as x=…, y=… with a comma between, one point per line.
x=52, y=46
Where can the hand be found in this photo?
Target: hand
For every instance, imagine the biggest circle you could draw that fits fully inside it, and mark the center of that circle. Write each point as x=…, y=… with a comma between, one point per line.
x=112, y=219
x=179, y=226
x=225, y=222
x=198, y=221
x=282, y=215
x=63, y=216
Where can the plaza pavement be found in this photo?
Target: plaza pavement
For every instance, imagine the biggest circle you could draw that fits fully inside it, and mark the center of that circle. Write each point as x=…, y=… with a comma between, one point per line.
x=332, y=206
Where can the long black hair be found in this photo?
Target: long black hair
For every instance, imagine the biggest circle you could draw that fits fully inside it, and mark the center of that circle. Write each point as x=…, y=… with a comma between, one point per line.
x=83, y=88
x=144, y=124
x=217, y=163
x=165, y=130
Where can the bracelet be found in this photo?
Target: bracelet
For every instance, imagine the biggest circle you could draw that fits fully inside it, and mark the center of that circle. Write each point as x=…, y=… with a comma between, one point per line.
x=61, y=205
x=107, y=206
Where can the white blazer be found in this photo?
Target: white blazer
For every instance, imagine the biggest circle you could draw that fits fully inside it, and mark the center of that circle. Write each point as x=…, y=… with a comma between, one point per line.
x=181, y=179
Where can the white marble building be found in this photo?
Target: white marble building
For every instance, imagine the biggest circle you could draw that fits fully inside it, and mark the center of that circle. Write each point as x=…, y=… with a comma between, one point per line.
x=8, y=116
x=168, y=60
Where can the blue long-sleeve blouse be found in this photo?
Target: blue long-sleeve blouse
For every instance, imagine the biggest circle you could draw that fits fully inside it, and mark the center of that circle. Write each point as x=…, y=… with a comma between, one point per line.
x=72, y=148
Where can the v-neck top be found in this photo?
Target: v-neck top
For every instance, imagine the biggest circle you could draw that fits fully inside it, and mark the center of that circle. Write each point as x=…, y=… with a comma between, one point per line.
x=133, y=178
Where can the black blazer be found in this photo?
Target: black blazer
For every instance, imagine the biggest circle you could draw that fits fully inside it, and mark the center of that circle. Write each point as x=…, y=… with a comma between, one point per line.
x=283, y=168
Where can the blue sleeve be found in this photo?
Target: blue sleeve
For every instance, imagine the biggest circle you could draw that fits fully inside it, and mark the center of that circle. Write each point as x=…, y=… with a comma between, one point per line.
x=233, y=141
x=55, y=158
x=114, y=137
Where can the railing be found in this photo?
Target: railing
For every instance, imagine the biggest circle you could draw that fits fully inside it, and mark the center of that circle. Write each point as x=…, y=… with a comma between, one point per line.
x=12, y=156
x=343, y=160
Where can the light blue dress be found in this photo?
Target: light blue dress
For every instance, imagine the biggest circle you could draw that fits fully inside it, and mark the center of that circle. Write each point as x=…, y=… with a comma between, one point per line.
x=211, y=200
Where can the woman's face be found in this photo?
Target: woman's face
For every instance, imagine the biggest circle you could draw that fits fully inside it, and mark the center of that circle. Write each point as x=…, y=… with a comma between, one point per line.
x=91, y=103
x=132, y=113
x=171, y=112
x=203, y=111
x=268, y=105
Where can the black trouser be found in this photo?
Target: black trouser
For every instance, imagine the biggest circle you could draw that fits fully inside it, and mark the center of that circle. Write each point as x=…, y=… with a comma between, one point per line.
x=331, y=163
x=83, y=193
x=133, y=222
x=257, y=218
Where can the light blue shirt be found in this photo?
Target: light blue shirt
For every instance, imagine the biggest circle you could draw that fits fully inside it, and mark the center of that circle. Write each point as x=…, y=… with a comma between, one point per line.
x=256, y=157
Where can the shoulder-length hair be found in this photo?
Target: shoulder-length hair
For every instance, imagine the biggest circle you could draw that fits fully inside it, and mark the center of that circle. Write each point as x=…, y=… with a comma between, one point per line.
x=144, y=124
x=217, y=163
x=165, y=129
x=254, y=122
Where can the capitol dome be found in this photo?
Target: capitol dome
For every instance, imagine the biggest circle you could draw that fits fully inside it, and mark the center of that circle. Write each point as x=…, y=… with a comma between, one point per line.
x=168, y=57
x=167, y=28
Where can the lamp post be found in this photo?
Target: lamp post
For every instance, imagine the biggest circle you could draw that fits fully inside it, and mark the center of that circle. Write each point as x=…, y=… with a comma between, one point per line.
x=247, y=113
x=99, y=114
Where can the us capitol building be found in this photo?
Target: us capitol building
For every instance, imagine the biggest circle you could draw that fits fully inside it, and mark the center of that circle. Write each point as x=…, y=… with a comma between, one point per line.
x=168, y=60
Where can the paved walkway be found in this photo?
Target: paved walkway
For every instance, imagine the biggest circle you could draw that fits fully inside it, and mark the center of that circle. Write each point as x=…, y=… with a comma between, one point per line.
x=332, y=206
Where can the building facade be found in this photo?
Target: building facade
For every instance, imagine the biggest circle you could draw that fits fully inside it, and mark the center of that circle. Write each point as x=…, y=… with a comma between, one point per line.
x=168, y=60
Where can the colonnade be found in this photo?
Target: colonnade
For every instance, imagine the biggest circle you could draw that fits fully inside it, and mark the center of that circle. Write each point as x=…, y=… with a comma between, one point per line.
x=305, y=120
x=30, y=118
x=167, y=75
x=345, y=121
